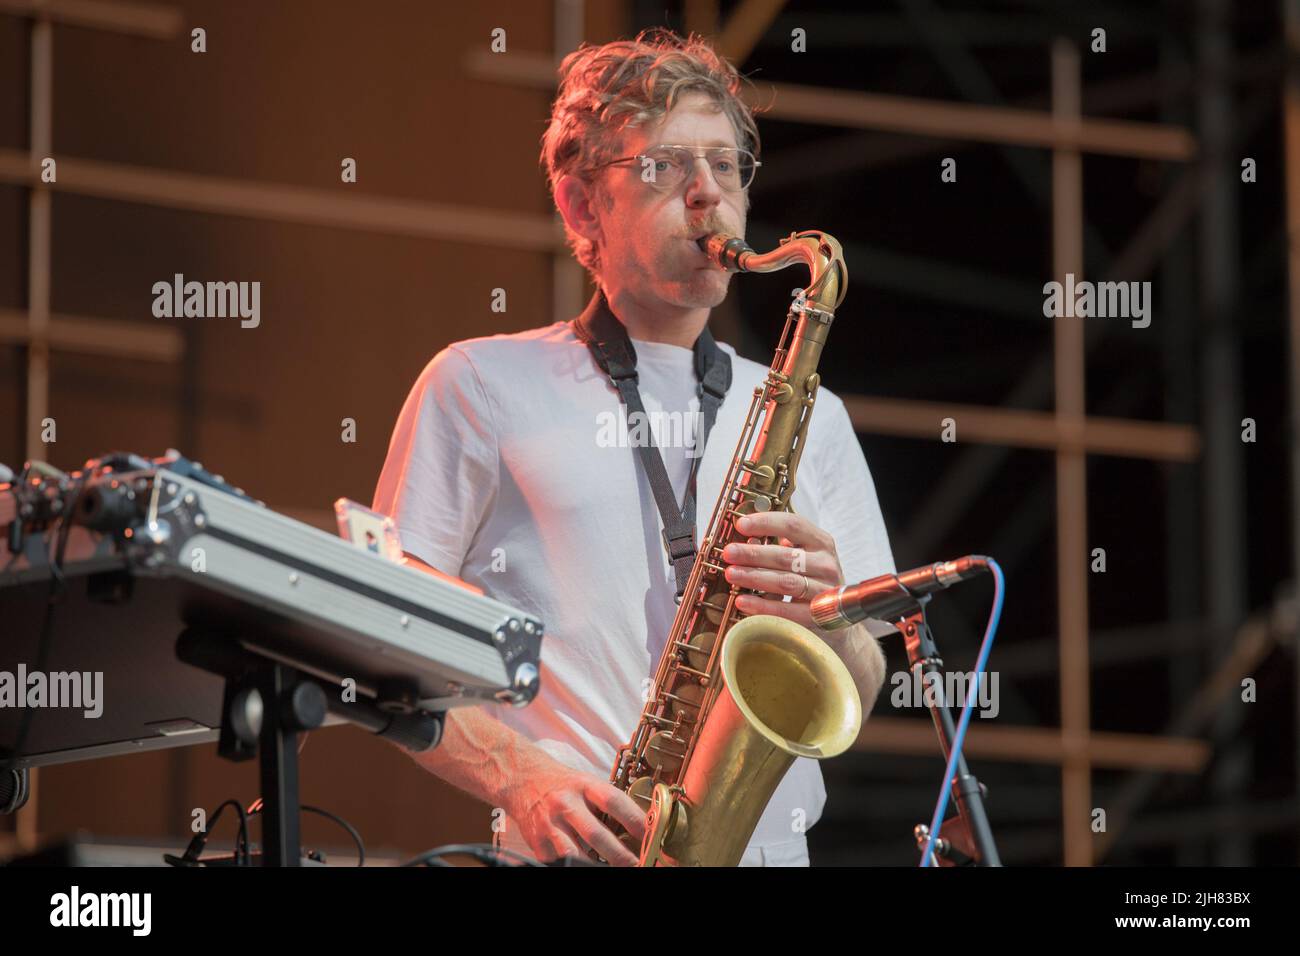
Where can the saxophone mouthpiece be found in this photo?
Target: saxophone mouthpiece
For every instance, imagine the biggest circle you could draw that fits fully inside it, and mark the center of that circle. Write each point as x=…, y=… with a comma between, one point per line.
x=728, y=252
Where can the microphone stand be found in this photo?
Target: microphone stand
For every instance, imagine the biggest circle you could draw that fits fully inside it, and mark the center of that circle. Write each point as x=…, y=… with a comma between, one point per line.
x=966, y=840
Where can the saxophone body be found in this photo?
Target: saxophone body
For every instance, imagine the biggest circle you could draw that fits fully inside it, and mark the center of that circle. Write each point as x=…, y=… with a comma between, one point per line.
x=736, y=698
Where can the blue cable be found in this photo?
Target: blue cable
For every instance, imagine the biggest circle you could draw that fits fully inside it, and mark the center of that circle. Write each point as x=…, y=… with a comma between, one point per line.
x=944, y=791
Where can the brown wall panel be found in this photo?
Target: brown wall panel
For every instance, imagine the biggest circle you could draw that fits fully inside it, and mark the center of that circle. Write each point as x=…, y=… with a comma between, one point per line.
x=347, y=321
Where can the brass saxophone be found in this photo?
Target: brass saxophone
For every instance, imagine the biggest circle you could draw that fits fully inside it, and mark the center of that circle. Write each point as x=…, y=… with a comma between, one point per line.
x=736, y=698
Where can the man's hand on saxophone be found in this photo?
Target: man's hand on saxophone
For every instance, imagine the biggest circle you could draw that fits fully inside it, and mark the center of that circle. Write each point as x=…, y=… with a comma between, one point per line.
x=554, y=807
x=802, y=565
x=558, y=816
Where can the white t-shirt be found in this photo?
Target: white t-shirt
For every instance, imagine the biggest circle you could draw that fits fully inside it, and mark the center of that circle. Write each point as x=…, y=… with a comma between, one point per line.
x=510, y=468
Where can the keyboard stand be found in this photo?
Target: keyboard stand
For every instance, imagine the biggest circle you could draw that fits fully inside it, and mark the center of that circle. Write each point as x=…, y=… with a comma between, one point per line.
x=266, y=704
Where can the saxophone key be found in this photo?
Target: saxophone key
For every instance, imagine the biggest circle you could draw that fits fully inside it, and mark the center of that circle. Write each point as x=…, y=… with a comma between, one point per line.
x=641, y=790
x=766, y=472
x=702, y=675
x=700, y=649
x=713, y=612
x=686, y=701
x=665, y=752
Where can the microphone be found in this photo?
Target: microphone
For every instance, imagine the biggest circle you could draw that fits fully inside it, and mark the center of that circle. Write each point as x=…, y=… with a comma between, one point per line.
x=890, y=596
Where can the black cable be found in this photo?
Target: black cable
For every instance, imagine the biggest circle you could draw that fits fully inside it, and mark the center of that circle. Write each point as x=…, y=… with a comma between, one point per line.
x=483, y=852
x=259, y=804
x=58, y=583
x=191, y=855
x=356, y=837
x=241, y=838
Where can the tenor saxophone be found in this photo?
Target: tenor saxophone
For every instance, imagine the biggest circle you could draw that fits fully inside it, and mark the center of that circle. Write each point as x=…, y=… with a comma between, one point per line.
x=736, y=698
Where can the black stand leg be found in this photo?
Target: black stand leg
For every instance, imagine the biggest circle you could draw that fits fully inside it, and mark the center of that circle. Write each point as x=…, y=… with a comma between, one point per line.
x=265, y=706
x=972, y=841
x=281, y=839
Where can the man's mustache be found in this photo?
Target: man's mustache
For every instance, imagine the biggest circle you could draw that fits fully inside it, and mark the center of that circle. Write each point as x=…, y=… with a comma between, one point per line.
x=713, y=224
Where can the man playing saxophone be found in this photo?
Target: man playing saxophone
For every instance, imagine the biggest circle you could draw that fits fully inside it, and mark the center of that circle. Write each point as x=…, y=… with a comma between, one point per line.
x=512, y=465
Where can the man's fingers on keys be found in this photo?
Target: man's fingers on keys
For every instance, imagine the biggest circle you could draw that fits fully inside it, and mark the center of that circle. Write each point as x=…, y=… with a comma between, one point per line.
x=620, y=806
x=597, y=836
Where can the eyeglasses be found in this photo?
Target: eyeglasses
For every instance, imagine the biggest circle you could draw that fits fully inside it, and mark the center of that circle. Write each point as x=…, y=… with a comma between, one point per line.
x=667, y=167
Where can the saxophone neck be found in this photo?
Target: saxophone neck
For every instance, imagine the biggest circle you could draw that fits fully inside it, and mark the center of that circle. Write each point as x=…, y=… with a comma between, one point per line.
x=819, y=251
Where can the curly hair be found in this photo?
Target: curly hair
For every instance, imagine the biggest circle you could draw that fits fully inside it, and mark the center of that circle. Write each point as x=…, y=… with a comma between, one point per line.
x=605, y=89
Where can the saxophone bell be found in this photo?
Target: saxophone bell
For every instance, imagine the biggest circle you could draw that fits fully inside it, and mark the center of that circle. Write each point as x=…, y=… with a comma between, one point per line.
x=784, y=694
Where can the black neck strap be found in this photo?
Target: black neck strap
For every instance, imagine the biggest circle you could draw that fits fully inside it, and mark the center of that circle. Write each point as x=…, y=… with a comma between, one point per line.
x=615, y=355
